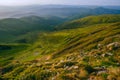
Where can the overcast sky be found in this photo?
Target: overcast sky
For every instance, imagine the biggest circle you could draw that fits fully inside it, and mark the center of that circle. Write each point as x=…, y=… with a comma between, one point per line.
x=65, y=2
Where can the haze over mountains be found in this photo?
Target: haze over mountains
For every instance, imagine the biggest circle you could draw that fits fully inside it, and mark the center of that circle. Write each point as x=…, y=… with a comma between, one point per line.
x=54, y=10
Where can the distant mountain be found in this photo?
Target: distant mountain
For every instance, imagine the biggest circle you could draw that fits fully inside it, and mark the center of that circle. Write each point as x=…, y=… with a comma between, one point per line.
x=54, y=10
x=112, y=7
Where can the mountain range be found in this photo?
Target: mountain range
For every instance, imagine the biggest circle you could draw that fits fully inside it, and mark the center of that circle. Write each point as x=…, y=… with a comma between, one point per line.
x=68, y=44
x=55, y=10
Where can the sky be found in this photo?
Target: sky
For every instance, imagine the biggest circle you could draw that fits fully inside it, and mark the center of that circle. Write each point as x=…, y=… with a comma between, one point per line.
x=64, y=2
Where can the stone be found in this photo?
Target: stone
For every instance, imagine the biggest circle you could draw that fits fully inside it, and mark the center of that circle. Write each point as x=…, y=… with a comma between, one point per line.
x=38, y=65
x=61, y=60
x=48, y=63
x=101, y=72
x=100, y=46
x=103, y=55
x=109, y=54
x=75, y=67
x=114, y=45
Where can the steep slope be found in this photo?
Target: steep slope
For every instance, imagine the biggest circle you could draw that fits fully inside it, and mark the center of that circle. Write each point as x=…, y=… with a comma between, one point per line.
x=91, y=52
x=90, y=20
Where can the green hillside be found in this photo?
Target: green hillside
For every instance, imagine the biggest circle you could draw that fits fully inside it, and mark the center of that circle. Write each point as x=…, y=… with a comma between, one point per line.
x=89, y=52
x=12, y=28
x=90, y=20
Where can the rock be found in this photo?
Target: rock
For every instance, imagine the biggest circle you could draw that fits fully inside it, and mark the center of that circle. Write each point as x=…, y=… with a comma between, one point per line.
x=103, y=55
x=118, y=64
x=114, y=45
x=66, y=67
x=101, y=72
x=109, y=54
x=75, y=67
x=48, y=63
x=38, y=65
x=70, y=68
x=61, y=60
x=100, y=46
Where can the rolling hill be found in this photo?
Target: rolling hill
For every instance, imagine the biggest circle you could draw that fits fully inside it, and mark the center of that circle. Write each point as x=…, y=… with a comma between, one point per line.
x=90, y=20
x=12, y=28
x=77, y=53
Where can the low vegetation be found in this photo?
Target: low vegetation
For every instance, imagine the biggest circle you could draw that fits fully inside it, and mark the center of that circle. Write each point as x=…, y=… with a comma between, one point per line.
x=91, y=52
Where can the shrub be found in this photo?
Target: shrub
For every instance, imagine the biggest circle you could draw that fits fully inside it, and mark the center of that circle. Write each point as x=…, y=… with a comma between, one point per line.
x=89, y=69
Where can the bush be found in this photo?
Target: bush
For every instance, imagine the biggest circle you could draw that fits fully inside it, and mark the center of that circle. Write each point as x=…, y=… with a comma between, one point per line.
x=89, y=69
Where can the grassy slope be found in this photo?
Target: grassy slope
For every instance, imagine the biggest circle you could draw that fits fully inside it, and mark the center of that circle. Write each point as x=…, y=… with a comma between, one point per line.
x=55, y=53
x=11, y=28
x=90, y=20
x=9, y=51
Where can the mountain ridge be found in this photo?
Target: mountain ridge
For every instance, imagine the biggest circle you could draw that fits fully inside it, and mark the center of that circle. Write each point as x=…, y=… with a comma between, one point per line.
x=89, y=21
